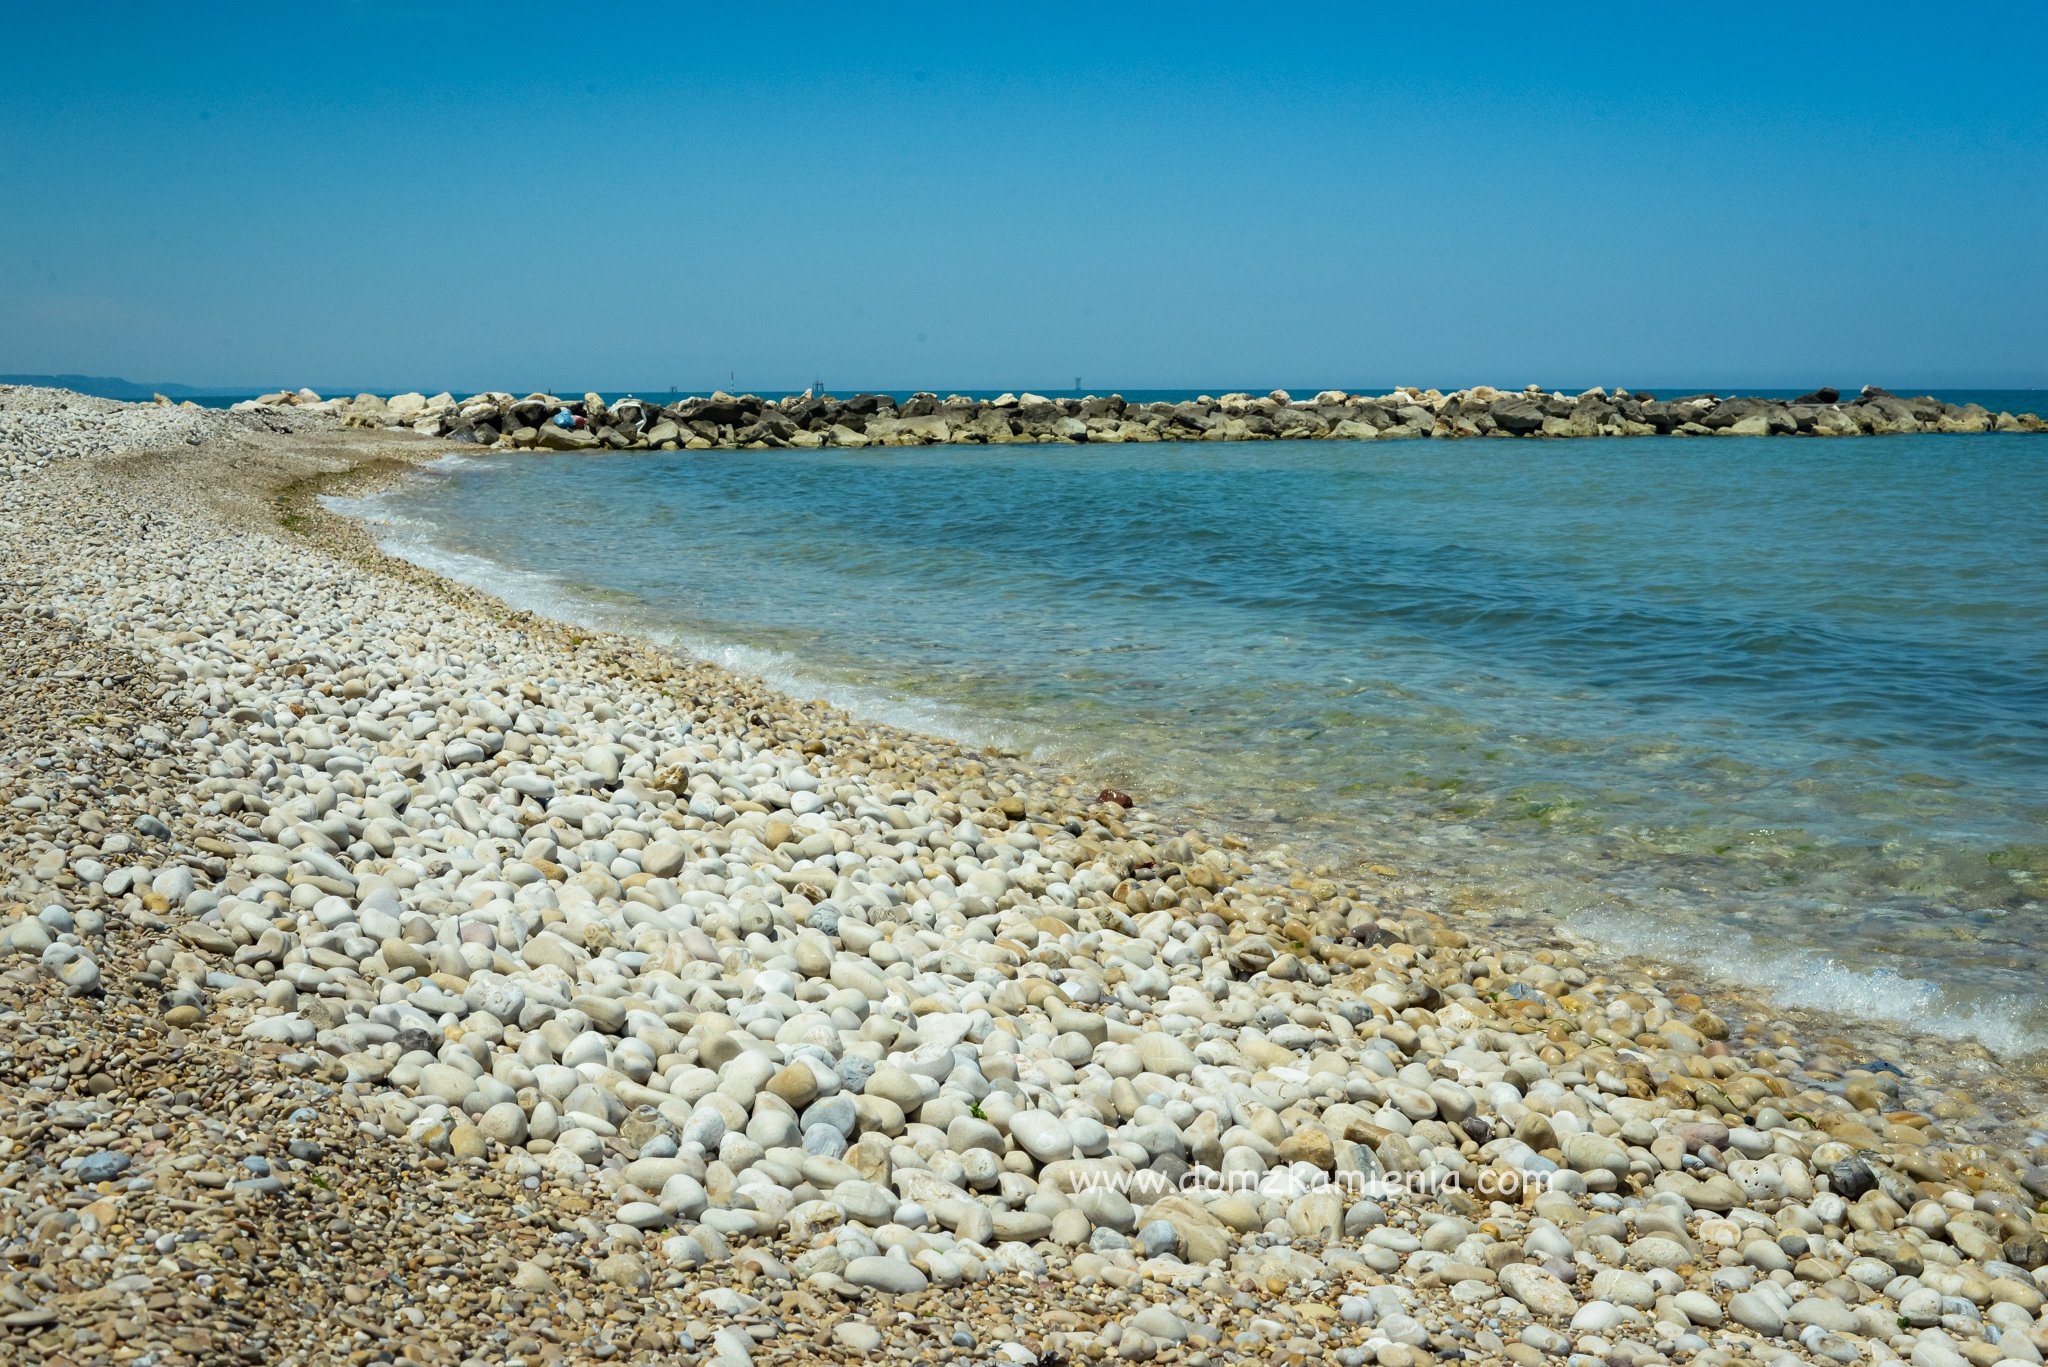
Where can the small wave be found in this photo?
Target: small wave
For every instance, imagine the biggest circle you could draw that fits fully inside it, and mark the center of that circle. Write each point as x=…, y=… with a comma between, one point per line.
x=410, y=539
x=784, y=673
x=1797, y=977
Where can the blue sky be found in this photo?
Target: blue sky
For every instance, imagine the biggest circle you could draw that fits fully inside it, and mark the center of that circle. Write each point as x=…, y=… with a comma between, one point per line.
x=608, y=197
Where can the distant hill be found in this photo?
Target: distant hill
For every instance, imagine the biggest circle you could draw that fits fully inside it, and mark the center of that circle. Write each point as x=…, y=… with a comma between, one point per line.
x=104, y=386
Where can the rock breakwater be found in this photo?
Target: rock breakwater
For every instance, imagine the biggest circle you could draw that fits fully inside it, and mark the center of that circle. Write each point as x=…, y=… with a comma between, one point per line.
x=391, y=977
x=548, y=422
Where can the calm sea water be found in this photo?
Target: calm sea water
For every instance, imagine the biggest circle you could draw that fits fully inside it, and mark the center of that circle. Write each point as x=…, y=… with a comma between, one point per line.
x=1776, y=707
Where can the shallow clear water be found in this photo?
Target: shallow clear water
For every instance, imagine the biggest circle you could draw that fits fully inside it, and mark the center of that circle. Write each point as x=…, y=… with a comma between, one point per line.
x=1780, y=707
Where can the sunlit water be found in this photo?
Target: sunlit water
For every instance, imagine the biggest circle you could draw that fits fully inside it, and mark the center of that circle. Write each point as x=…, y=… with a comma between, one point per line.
x=1778, y=707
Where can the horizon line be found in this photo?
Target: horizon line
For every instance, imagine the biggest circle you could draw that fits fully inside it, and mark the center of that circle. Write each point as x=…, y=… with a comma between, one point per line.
x=337, y=391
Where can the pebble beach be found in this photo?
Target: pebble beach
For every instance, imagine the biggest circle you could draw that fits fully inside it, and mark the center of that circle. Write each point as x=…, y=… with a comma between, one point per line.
x=393, y=976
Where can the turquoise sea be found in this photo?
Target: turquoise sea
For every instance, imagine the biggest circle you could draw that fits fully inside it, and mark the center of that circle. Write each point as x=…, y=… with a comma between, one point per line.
x=1776, y=707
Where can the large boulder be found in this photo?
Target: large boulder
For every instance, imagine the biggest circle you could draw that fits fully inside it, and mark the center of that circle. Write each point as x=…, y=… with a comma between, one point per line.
x=1518, y=415
x=565, y=438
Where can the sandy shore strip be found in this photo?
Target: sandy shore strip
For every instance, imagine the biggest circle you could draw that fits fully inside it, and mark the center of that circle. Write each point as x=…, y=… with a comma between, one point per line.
x=393, y=976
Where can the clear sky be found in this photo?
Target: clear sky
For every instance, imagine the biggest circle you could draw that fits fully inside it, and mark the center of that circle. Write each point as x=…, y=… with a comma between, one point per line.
x=503, y=196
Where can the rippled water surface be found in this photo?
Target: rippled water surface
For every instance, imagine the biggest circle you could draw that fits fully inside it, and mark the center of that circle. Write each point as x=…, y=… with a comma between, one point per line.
x=1777, y=706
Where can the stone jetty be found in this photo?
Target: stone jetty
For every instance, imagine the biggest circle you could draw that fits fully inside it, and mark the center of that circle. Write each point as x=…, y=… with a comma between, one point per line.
x=547, y=422
x=389, y=976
